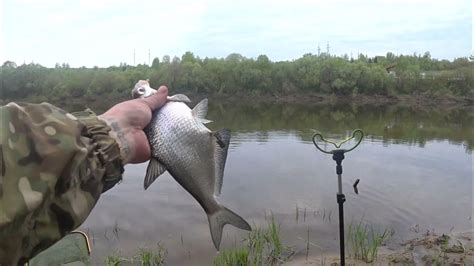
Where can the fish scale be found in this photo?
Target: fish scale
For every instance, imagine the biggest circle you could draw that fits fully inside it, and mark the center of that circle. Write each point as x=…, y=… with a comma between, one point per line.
x=174, y=148
x=194, y=155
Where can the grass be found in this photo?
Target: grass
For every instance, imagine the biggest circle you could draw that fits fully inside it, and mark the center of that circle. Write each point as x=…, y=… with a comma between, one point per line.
x=116, y=230
x=145, y=257
x=307, y=245
x=235, y=257
x=438, y=259
x=264, y=247
x=256, y=244
x=153, y=258
x=113, y=260
x=364, y=241
x=274, y=243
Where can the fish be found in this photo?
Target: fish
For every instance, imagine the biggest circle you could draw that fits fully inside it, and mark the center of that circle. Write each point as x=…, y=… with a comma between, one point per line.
x=192, y=154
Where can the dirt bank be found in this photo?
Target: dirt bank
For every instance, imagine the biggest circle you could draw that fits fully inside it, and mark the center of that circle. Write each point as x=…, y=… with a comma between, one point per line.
x=420, y=101
x=312, y=98
x=428, y=249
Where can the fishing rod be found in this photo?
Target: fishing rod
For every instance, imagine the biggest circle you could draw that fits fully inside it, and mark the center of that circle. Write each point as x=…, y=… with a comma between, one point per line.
x=338, y=156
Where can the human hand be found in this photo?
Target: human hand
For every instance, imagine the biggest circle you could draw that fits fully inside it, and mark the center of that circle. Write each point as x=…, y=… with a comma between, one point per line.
x=127, y=120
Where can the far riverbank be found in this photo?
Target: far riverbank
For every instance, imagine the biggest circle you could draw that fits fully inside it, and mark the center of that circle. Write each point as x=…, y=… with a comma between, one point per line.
x=415, y=101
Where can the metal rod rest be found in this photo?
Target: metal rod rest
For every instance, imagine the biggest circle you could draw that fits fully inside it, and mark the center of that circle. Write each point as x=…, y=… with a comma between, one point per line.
x=338, y=156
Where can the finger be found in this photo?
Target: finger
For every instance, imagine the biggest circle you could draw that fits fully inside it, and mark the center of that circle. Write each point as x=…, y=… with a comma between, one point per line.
x=158, y=99
x=142, y=151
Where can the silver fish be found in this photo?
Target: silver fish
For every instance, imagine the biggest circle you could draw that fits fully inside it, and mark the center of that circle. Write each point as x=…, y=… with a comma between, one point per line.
x=192, y=154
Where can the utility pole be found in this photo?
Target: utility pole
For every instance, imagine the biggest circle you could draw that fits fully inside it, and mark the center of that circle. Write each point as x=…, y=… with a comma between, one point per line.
x=149, y=57
x=319, y=50
x=327, y=48
x=133, y=56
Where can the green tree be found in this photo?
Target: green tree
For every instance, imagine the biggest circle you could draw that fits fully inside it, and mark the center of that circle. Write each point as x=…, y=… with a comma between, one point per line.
x=235, y=74
x=155, y=63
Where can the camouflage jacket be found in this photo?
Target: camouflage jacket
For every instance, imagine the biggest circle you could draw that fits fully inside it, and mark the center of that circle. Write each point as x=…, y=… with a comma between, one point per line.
x=53, y=168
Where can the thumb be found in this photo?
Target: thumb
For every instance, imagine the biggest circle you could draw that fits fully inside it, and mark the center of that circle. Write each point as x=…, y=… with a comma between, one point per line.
x=158, y=99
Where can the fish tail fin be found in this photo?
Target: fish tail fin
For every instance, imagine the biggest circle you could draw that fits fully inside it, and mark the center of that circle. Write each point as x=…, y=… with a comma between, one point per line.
x=222, y=217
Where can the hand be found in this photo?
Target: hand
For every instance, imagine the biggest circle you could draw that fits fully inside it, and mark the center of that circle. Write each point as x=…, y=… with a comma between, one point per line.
x=127, y=120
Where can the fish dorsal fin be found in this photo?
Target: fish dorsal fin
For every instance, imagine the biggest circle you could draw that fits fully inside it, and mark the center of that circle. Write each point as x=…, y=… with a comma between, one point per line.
x=153, y=171
x=200, y=110
x=221, y=146
x=179, y=98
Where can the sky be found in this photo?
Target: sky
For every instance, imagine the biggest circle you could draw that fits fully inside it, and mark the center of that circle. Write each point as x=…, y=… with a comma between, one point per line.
x=107, y=32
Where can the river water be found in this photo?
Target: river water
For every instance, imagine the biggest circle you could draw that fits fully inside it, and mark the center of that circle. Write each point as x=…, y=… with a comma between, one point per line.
x=415, y=168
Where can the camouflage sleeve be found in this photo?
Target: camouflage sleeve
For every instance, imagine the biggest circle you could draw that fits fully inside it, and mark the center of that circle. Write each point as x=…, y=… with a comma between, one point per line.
x=53, y=167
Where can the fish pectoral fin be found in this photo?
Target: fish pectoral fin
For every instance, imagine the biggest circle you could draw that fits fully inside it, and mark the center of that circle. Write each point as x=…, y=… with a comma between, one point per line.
x=200, y=110
x=179, y=98
x=204, y=121
x=221, y=146
x=222, y=217
x=153, y=171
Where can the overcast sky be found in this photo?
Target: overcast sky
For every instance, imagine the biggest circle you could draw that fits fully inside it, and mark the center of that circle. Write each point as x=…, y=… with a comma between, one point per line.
x=106, y=32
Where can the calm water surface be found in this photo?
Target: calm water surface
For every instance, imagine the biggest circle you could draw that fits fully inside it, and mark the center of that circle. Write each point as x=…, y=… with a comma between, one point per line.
x=415, y=168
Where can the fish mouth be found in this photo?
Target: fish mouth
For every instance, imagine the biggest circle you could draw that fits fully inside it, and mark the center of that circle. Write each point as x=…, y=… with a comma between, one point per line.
x=136, y=94
x=150, y=91
x=143, y=92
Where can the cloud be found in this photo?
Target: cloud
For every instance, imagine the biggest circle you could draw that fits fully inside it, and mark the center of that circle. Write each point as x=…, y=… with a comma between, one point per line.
x=93, y=32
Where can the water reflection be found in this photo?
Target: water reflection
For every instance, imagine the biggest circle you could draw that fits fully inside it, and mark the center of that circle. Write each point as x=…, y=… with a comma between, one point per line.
x=388, y=124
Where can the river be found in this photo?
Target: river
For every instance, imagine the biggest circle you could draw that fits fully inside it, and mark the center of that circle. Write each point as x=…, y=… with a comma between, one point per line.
x=415, y=171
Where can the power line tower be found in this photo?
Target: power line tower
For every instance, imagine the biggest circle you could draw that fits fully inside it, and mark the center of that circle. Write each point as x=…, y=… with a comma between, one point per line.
x=134, y=56
x=319, y=50
x=149, y=57
x=327, y=48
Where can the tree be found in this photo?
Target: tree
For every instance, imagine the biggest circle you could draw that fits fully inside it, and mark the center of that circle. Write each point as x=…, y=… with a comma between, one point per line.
x=166, y=59
x=156, y=63
x=235, y=74
x=188, y=57
x=9, y=64
x=235, y=57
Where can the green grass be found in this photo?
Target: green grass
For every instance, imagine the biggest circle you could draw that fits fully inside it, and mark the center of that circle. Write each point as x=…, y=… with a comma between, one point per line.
x=113, y=260
x=364, y=241
x=152, y=257
x=235, y=257
x=274, y=243
x=263, y=247
x=256, y=245
x=145, y=257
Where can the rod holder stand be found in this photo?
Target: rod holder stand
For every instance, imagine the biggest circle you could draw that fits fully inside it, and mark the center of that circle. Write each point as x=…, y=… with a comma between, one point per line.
x=338, y=156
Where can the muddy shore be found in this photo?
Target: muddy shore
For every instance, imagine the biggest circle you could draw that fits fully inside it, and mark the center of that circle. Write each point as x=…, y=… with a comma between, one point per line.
x=427, y=249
